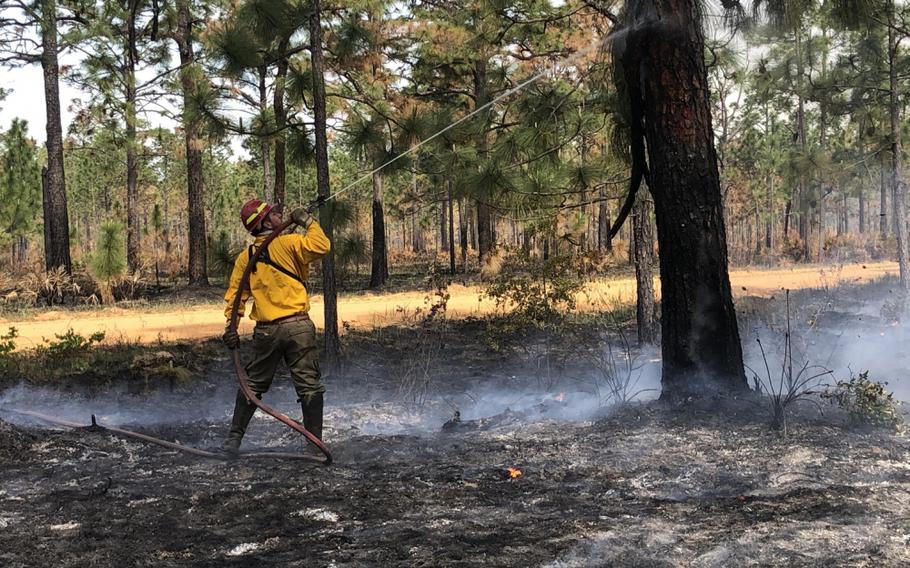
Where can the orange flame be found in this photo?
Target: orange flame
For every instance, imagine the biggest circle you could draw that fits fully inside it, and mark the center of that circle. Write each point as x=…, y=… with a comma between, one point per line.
x=514, y=472
x=560, y=397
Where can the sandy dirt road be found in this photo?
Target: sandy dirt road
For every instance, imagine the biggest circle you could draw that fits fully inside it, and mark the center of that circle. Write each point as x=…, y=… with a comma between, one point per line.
x=369, y=310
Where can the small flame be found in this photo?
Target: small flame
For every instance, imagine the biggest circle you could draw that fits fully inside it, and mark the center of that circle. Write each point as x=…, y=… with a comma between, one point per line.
x=560, y=397
x=514, y=472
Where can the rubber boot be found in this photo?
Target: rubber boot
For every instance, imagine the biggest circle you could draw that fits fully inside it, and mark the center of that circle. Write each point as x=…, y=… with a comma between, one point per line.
x=312, y=414
x=243, y=413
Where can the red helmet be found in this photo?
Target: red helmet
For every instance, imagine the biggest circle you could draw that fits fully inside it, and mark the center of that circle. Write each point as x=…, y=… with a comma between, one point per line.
x=253, y=212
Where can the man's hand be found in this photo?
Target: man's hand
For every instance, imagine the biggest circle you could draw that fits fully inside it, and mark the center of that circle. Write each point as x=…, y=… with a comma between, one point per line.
x=231, y=338
x=302, y=217
x=316, y=204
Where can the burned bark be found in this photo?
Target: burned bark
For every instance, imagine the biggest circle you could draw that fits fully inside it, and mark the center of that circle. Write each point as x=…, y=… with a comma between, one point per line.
x=196, y=261
x=56, y=217
x=281, y=119
x=897, y=180
x=332, y=349
x=379, y=267
x=665, y=70
x=485, y=242
x=644, y=275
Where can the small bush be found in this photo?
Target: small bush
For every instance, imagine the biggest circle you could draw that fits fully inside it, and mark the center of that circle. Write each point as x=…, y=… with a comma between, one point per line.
x=793, y=248
x=537, y=291
x=8, y=341
x=70, y=343
x=108, y=263
x=222, y=255
x=868, y=402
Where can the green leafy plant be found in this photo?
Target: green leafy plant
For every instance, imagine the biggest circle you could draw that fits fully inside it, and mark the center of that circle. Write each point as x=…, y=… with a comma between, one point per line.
x=8, y=341
x=353, y=250
x=222, y=254
x=868, y=402
x=537, y=291
x=70, y=343
x=109, y=261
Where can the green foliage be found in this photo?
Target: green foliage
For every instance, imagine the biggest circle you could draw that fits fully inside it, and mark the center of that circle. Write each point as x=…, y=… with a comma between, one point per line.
x=8, y=341
x=353, y=248
x=536, y=291
x=222, y=254
x=109, y=260
x=20, y=181
x=70, y=352
x=70, y=343
x=868, y=402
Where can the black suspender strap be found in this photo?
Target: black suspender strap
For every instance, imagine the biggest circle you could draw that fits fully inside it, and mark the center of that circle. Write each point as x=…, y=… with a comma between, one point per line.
x=264, y=258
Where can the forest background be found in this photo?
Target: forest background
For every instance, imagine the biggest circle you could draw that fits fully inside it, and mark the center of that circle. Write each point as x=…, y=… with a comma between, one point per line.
x=189, y=108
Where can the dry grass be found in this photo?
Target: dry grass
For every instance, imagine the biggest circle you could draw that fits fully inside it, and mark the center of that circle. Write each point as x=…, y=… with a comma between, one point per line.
x=146, y=323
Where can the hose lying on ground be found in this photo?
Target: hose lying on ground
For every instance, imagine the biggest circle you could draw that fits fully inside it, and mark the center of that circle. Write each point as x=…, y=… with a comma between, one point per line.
x=96, y=427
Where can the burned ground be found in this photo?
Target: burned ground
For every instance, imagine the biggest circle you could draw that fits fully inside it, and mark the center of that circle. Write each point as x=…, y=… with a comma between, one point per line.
x=705, y=485
x=642, y=487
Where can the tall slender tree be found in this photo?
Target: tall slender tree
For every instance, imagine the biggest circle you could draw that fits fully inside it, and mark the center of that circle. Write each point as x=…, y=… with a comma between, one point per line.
x=192, y=80
x=30, y=34
x=20, y=188
x=332, y=348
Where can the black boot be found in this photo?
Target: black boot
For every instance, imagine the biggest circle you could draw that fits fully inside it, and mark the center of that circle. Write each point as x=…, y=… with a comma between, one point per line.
x=243, y=413
x=312, y=414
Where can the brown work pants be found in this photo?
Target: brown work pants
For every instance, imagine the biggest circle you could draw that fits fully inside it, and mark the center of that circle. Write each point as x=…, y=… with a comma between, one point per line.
x=295, y=343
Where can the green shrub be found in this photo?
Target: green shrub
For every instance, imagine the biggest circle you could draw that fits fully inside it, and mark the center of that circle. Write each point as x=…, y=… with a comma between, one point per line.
x=70, y=343
x=868, y=402
x=7, y=341
x=222, y=255
x=537, y=291
x=108, y=263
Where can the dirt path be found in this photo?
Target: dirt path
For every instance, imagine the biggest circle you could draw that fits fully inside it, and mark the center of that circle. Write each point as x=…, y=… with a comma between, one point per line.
x=368, y=310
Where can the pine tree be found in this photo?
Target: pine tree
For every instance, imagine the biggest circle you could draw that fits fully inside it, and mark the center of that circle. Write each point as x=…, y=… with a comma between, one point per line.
x=21, y=24
x=20, y=188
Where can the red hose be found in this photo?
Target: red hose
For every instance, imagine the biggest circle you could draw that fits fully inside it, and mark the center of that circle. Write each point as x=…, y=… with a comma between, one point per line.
x=146, y=438
x=235, y=353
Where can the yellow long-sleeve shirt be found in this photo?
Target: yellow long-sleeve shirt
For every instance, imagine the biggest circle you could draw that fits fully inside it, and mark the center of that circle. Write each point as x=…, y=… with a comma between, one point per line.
x=275, y=294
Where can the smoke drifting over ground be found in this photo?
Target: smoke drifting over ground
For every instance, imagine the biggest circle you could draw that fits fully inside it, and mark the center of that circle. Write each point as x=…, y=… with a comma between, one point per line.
x=845, y=330
x=537, y=472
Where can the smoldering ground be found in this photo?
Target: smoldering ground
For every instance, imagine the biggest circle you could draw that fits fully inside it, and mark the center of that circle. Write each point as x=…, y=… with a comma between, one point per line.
x=705, y=485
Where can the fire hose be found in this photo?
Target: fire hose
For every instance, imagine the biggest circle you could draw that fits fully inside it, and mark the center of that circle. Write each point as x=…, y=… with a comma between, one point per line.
x=235, y=352
x=96, y=427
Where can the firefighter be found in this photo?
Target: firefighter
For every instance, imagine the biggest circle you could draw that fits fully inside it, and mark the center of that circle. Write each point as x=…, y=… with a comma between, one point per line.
x=284, y=330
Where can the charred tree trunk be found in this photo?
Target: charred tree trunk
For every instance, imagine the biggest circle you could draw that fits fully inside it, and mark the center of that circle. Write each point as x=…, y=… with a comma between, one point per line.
x=644, y=270
x=196, y=264
x=332, y=351
x=264, y=142
x=802, y=186
x=132, y=164
x=443, y=226
x=56, y=217
x=883, y=198
x=451, y=228
x=664, y=58
x=281, y=119
x=463, y=234
x=604, y=241
x=897, y=180
x=379, y=268
x=485, y=241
